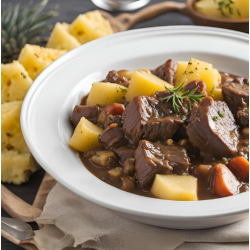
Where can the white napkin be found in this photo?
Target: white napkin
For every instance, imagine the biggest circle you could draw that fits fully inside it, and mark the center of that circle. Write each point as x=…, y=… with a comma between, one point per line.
x=71, y=222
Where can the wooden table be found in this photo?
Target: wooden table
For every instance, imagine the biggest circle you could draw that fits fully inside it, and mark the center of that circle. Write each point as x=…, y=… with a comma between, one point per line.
x=68, y=11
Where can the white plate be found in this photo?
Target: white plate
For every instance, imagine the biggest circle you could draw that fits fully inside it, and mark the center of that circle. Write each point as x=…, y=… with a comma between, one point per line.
x=52, y=97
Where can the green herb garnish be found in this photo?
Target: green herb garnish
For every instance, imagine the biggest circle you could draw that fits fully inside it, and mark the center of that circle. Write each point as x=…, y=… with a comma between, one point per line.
x=215, y=118
x=178, y=98
x=24, y=76
x=100, y=105
x=226, y=5
x=221, y=114
x=123, y=90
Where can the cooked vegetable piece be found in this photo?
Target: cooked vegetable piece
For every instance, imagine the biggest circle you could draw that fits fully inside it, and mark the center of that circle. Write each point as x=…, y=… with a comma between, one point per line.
x=106, y=93
x=85, y=136
x=239, y=166
x=128, y=183
x=224, y=9
x=114, y=109
x=104, y=158
x=181, y=67
x=202, y=171
x=61, y=39
x=144, y=83
x=224, y=182
x=90, y=26
x=198, y=70
x=175, y=187
x=126, y=73
x=116, y=172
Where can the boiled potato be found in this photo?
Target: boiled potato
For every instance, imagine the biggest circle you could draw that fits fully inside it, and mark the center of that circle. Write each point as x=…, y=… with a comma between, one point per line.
x=35, y=58
x=144, y=83
x=102, y=158
x=105, y=93
x=11, y=133
x=16, y=167
x=15, y=82
x=85, y=136
x=90, y=26
x=198, y=70
x=239, y=9
x=181, y=67
x=175, y=187
x=61, y=39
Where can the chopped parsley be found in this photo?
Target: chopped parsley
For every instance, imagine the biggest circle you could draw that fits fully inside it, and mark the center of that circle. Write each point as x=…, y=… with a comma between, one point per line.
x=100, y=105
x=215, y=118
x=24, y=76
x=221, y=114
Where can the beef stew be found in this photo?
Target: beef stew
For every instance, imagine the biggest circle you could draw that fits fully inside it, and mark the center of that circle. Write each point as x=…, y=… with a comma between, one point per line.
x=184, y=129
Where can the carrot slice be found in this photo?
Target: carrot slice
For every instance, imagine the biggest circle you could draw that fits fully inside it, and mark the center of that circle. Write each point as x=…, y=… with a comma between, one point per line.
x=239, y=166
x=224, y=183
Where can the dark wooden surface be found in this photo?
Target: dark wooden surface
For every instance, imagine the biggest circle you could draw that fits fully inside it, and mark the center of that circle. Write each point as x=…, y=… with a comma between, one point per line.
x=68, y=11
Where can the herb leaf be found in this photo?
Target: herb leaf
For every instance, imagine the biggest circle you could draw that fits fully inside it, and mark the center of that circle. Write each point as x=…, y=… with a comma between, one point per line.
x=178, y=98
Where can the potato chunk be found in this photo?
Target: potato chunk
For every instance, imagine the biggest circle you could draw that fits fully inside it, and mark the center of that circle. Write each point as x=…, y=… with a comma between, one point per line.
x=106, y=93
x=175, y=187
x=144, y=83
x=15, y=82
x=11, y=133
x=198, y=70
x=104, y=158
x=85, y=136
x=181, y=67
x=90, y=26
x=61, y=39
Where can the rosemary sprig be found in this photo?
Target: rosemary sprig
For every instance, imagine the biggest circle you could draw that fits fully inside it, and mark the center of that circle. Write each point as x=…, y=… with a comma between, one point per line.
x=178, y=98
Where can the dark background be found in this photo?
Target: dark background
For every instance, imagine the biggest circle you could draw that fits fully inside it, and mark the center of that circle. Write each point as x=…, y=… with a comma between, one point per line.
x=68, y=11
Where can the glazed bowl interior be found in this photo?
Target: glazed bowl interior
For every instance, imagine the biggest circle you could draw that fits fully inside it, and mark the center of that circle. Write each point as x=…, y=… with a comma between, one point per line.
x=52, y=97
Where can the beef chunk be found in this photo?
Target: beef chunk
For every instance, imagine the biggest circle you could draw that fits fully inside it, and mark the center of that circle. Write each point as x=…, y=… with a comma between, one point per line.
x=243, y=117
x=236, y=95
x=114, y=77
x=199, y=85
x=113, y=137
x=90, y=112
x=154, y=158
x=125, y=153
x=145, y=118
x=212, y=134
x=166, y=71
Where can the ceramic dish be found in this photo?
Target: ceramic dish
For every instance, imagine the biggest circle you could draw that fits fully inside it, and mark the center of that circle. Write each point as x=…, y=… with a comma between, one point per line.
x=50, y=100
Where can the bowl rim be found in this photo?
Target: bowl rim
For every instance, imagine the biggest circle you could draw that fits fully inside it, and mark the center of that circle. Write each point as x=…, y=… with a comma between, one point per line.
x=30, y=97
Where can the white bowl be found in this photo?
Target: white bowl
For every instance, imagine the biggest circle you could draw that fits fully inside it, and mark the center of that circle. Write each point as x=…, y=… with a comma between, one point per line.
x=52, y=97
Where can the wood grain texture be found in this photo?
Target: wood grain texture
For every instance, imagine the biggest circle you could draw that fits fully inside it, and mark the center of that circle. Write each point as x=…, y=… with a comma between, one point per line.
x=17, y=208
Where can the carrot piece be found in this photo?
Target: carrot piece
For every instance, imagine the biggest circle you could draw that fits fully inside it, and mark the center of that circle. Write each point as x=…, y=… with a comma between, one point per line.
x=224, y=183
x=239, y=166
